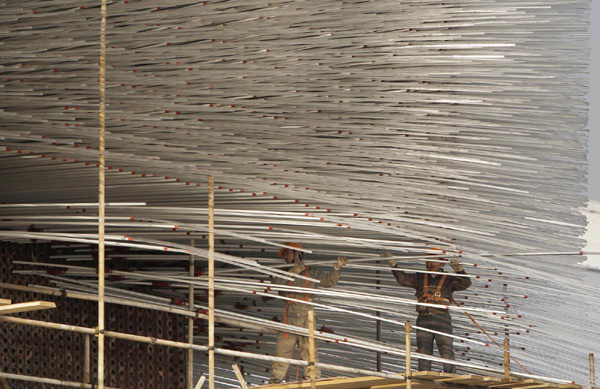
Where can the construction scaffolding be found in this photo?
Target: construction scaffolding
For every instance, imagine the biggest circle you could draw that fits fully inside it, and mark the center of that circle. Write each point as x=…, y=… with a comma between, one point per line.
x=147, y=187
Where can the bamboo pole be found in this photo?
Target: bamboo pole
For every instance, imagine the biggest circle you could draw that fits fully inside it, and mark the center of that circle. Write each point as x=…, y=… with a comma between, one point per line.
x=485, y=209
x=592, y=371
x=4, y=383
x=378, y=324
x=101, y=197
x=200, y=382
x=171, y=343
x=87, y=358
x=138, y=304
x=506, y=361
x=49, y=381
x=488, y=335
x=407, y=330
x=312, y=349
x=239, y=376
x=227, y=320
x=211, y=284
x=190, y=366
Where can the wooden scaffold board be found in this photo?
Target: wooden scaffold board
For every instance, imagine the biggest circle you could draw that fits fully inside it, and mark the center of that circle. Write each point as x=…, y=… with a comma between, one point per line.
x=425, y=380
x=6, y=309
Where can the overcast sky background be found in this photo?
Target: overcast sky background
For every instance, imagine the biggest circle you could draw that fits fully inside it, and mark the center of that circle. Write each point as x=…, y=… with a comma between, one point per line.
x=593, y=212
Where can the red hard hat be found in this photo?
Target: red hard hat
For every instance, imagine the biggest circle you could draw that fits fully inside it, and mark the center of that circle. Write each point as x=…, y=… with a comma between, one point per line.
x=291, y=244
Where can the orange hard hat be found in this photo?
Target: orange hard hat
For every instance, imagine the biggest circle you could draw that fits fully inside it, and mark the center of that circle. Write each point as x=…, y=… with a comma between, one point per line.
x=291, y=244
x=437, y=249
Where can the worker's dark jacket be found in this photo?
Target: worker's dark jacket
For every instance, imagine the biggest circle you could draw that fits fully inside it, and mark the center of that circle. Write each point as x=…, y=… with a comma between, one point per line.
x=432, y=294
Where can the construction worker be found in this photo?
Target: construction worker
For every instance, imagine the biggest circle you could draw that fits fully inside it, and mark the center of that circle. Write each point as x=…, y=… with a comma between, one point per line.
x=433, y=289
x=296, y=313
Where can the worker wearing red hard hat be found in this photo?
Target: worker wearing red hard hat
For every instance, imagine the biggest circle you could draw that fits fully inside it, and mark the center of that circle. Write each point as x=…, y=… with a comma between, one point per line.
x=296, y=313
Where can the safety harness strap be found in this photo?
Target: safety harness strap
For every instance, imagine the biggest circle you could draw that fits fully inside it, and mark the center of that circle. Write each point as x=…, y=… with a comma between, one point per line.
x=427, y=291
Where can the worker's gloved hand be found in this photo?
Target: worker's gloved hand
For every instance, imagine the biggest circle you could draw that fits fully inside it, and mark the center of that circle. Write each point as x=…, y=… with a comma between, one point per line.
x=455, y=264
x=341, y=261
x=391, y=262
x=298, y=267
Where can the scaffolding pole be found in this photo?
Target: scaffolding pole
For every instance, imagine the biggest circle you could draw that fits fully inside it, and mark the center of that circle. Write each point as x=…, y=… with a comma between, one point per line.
x=211, y=283
x=49, y=381
x=183, y=345
x=101, y=195
x=407, y=330
x=190, y=367
x=592, y=371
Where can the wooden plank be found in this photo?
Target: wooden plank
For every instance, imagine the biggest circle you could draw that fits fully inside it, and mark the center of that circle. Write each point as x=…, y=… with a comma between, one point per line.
x=25, y=307
x=431, y=375
x=470, y=379
x=517, y=384
x=4, y=302
x=338, y=383
x=423, y=380
x=414, y=384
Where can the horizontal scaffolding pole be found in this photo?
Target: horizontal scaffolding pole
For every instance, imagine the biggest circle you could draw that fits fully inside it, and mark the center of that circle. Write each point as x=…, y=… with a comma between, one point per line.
x=49, y=381
x=189, y=346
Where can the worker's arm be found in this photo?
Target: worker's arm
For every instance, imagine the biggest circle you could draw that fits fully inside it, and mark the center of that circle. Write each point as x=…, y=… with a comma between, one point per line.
x=459, y=283
x=403, y=278
x=296, y=269
x=327, y=279
x=331, y=278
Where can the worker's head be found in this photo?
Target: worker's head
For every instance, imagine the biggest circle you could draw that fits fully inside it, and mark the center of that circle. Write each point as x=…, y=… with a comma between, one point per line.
x=435, y=265
x=291, y=255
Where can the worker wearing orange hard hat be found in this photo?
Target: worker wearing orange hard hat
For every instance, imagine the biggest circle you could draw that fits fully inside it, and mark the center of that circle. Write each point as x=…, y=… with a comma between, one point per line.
x=435, y=288
x=296, y=313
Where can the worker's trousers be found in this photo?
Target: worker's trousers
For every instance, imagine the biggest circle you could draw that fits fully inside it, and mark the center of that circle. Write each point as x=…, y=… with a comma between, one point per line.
x=285, y=349
x=438, y=322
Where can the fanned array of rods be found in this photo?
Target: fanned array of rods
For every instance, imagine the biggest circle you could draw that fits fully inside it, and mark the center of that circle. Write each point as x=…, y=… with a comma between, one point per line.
x=352, y=127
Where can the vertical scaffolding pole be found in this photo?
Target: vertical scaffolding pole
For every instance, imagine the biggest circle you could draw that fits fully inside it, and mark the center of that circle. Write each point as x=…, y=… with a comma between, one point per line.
x=191, y=323
x=312, y=349
x=407, y=330
x=211, y=283
x=378, y=325
x=592, y=371
x=87, y=357
x=101, y=196
x=506, y=361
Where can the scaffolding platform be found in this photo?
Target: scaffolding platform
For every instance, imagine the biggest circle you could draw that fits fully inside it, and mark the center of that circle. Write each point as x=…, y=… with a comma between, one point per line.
x=424, y=380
